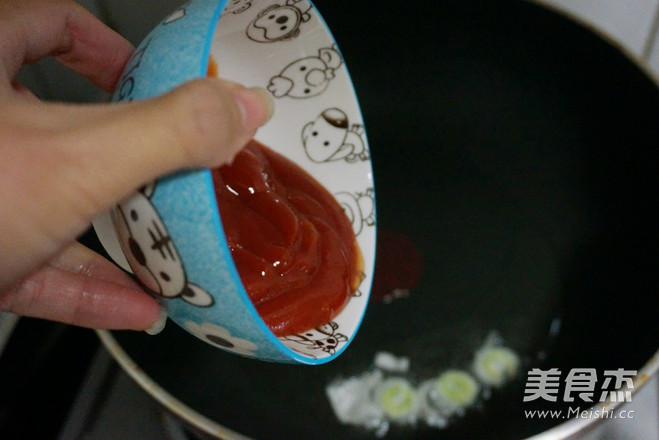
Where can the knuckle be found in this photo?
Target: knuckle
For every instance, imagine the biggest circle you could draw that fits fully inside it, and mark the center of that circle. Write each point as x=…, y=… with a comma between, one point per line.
x=207, y=121
x=22, y=294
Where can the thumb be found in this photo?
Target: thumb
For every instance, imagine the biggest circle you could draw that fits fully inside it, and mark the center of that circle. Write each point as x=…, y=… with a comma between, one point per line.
x=65, y=164
x=201, y=124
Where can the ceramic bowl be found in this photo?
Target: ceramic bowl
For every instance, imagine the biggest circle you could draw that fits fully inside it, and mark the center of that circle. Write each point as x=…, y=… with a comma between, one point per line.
x=169, y=234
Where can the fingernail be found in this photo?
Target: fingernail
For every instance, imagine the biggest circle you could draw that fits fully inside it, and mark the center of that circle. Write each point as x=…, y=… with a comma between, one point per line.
x=159, y=325
x=257, y=106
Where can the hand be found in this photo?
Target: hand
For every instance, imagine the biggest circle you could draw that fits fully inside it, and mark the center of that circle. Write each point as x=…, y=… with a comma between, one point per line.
x=61, y=165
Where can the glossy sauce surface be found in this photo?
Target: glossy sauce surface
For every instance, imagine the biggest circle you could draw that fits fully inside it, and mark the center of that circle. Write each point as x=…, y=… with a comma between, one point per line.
x=292, y=244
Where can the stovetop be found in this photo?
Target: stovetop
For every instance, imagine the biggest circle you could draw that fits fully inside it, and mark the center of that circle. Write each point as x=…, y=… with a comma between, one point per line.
x=58, y=382
x=41, y=369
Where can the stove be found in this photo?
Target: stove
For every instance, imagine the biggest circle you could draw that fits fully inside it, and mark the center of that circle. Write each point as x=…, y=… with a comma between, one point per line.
x=58, y=382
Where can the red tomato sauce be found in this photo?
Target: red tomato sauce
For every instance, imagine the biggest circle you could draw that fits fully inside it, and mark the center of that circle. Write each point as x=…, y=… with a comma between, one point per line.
x=399, y=268
x=293, y=246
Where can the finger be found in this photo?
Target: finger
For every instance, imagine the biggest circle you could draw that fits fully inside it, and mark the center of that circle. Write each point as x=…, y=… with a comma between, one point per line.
x=79, y=259
x=75, y=162
x=88, y=157
x=80, y=287
x=33, y=29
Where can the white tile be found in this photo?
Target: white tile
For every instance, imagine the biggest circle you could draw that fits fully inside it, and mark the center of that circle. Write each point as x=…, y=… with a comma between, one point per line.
x=627, y=21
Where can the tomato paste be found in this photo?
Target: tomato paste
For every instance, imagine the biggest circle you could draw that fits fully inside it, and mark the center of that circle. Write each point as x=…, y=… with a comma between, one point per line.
x=399, y=269
x=292, y=244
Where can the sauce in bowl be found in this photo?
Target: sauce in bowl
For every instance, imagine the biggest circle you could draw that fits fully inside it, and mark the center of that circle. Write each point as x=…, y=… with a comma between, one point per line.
x=293, y=245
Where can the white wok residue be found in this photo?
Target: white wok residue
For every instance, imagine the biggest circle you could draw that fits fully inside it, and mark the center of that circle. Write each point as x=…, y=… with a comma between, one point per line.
x=386, y=394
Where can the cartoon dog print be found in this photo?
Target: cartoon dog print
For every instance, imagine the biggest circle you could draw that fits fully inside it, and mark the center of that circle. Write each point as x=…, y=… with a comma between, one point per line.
x=279, y=22
x=307, y=76
x=237, y=6
x=150, y=251
x=330, y=137
x=324, y=338
x=221, y=338
x=359, y=207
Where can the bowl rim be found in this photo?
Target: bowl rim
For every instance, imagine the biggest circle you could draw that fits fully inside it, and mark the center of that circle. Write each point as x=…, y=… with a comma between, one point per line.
x=204, y=179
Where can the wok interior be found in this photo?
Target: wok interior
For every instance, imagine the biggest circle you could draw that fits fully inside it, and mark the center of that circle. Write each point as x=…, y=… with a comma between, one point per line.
x=517, y=153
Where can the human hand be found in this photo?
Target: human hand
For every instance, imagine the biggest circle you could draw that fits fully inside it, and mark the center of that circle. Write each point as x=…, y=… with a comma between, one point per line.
x=61, y=165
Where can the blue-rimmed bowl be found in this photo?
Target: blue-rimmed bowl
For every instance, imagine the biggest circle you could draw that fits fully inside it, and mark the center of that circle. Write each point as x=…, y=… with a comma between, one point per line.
x=169, y=234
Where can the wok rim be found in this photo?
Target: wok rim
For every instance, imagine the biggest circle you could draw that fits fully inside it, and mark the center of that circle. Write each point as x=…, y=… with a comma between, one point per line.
x=564, y=431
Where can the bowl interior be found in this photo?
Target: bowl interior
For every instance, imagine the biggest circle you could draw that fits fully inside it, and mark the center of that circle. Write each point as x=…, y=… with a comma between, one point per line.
x=317, y=124
x=299, y=63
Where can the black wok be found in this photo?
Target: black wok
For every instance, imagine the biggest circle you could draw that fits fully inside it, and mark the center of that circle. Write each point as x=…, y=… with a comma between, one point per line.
x=517, y=152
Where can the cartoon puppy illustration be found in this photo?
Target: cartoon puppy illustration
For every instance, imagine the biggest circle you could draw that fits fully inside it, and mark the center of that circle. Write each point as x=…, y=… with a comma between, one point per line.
x=278, y=23
x=330, y=137
x=359, y=207
x=150, y=251
x=307, y=76
x=237, y=6
x=324, y=338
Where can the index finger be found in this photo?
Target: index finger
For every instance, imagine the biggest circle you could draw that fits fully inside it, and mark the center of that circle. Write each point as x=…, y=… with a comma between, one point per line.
x=33, y=29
